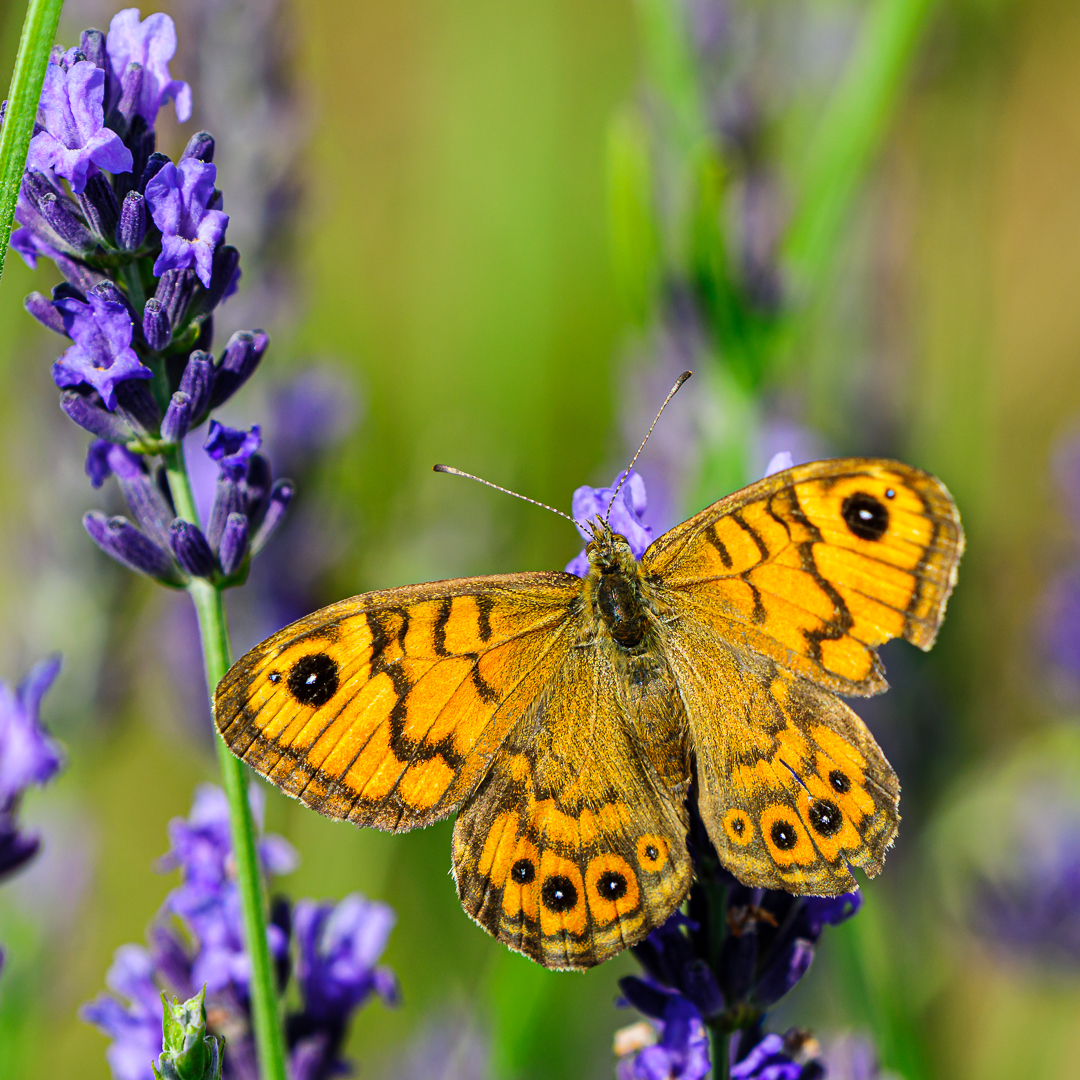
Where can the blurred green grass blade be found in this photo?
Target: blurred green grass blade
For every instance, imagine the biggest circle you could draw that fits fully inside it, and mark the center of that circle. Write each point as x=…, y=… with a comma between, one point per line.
x=851, y=131
x=669, y=60
x=874, y=985
x=38, y=33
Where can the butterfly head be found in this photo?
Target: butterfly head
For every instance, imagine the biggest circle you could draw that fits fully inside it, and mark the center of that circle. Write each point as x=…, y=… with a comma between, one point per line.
x=608, y=551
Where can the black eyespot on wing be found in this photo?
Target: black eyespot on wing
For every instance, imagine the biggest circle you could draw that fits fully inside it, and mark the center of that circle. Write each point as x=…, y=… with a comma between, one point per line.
x=274, y=676
x=559, y=894
x=784, y=835
x=652, y=852
x=865, y=516
x=840, y=781
x=523, y=871
x=738, y=826
x=825, y=817
x=611, y=885
x=313, y=680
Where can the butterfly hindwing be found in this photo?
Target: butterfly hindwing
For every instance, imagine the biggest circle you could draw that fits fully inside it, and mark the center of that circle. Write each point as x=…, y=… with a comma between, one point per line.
x=792, y=787
x=573, y=847
x=816, y=566
x=387, y=709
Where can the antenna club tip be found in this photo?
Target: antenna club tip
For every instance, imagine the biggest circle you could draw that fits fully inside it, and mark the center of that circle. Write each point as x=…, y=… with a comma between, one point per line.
x=440, y=468
x=683, y=377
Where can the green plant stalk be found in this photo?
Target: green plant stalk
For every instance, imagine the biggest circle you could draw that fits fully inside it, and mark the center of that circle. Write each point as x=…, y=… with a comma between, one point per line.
x=35, y=44
x=214, y=632
x=850, y=133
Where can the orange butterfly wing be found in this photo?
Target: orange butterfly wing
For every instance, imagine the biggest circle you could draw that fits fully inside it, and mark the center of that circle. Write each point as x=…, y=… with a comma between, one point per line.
x=388, y=708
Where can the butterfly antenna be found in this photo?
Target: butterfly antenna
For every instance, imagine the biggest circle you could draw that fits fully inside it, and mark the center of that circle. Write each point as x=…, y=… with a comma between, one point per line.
x=671, y=393
x=524, y=498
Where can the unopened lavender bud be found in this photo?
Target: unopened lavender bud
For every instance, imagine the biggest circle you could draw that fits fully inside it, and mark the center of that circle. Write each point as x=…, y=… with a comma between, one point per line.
x=155, y=324
x=241, y=357
x=92, y=46
x=72, y=233
x=276, y=506
x=191, y=549
x=136, y=403
x=95, y=418
x=108, y=290
x=234, y=543
x=41, y=307
x=257, y=481
x=200, y=146
x=99, y=207
x=223, y=275
x=174, y=290
x=117, y=537
x=154, y=164
x=177, y=418
x=228, y=499
x=66, y=291
x=196, y=381
x=130, y=91
x=77, y=274
x=131, y=229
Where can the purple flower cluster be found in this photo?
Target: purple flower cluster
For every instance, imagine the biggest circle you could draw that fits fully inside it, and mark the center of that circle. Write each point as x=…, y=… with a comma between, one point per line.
x=140, y=242
x=332, y=951
x=28, y=757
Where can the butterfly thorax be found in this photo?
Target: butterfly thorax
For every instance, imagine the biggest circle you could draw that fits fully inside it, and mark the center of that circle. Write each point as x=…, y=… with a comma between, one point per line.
x=614, y=588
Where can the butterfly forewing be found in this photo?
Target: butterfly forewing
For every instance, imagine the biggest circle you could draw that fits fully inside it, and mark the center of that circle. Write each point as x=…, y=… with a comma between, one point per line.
x=817, y=565
x=387, y=709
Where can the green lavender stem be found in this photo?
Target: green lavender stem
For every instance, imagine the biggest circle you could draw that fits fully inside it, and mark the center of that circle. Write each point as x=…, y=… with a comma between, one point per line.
x=214, y=632
x=38, y=32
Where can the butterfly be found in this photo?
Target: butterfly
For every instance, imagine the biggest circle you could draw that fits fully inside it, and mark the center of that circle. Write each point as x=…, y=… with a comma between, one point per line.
x=564, y=719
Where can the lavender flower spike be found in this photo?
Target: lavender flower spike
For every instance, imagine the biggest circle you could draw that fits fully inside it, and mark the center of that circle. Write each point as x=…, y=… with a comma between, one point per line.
x=150, y=43
x=102, y=355
x=75, y=143
x=178, y=198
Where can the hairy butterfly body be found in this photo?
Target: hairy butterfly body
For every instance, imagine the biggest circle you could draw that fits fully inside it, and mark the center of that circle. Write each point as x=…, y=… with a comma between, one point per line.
x=564, y=718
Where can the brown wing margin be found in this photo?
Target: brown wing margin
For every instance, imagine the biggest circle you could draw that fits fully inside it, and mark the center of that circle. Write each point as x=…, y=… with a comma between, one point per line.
x=387, y=708
x=817, y=565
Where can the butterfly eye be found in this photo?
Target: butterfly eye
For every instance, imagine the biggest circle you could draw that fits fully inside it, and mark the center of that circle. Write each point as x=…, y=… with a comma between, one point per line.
x=590, y=547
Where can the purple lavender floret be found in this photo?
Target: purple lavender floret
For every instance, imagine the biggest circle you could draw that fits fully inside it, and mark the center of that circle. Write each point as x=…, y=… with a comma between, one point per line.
x=626, y=518
x=151, y=44
x=178, y=199
x=231, y=448
x=28, y=757
x=28, y=754
x=771, y=1059
x=75, y=144
x=339, y=946
x=102, y=355
x=681, y=1051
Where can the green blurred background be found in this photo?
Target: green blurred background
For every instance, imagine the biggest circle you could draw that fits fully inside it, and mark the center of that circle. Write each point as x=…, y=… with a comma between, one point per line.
x=451, y=268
